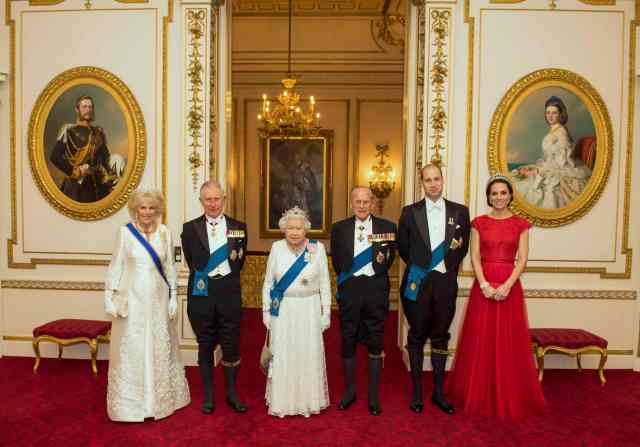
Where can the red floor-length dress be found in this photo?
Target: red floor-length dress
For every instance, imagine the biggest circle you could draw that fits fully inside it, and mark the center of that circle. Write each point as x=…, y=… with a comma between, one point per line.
x=494, y=372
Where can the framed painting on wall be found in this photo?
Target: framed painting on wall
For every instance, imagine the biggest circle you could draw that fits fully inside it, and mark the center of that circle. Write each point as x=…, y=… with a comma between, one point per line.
x=87, y=143
x=296, y=171
x=552, y=135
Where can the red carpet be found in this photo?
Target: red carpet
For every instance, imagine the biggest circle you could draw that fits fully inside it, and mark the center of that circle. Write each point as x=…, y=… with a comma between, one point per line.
x=64, y=406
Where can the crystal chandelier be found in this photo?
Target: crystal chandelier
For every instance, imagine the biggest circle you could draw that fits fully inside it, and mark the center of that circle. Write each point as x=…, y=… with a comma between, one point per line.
x=287, y=117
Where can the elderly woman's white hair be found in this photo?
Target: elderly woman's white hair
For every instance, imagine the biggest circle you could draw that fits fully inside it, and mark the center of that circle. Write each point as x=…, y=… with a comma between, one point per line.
x=294, y=213
x=136, y=198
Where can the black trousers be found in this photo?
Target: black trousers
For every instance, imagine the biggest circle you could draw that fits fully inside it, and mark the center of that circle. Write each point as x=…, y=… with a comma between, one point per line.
x=216, y=318
x=431, y=314
x=364, y=305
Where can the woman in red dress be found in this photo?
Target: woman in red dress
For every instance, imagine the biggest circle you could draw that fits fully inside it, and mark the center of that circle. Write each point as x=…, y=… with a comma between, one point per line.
x=494, y=373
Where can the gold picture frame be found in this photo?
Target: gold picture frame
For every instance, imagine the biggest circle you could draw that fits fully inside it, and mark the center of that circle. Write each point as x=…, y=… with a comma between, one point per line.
x=87, y=172
x=296, y=171
x=551, y=134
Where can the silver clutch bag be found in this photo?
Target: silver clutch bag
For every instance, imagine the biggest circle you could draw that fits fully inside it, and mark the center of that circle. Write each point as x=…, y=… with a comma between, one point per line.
x=265, y=356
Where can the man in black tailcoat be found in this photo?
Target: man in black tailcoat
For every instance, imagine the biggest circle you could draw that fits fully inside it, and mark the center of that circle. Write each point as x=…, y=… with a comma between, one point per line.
x=362, y=251
x=433, y=239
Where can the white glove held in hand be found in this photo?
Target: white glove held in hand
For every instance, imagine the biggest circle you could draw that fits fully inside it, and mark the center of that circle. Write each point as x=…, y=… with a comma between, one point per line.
x=266, y=319
x=173, y=305
x=325, y=320
x=109, y=307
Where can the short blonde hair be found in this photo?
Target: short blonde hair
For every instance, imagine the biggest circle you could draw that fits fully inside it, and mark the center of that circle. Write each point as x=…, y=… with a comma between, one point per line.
x=156, y=197
x=294, y=213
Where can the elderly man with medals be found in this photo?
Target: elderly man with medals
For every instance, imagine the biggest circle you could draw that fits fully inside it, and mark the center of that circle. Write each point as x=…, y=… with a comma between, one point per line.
x=296, y=305
x=214, y=247
x=362, y=251
x=433, y=239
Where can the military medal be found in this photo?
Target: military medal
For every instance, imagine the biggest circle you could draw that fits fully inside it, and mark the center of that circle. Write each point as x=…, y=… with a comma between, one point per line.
x=413, y=286
x=275, y=303
x=233, y=255
x=380, y=257
x=361, y=237
x=201, y=285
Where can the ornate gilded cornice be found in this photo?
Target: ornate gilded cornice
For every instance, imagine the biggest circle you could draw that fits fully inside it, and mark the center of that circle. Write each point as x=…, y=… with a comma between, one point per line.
x=308, y=8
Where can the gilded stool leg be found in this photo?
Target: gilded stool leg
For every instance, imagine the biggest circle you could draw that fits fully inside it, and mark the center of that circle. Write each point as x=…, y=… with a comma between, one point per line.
x=93, y=344
x=603, y=360
x=36, y=350
x=540, y=359
x=578, y=361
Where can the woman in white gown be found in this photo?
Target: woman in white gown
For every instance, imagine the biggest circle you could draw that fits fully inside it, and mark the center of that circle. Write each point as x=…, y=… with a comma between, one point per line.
x=146, y=377
x=556, y=179
x=297, y=382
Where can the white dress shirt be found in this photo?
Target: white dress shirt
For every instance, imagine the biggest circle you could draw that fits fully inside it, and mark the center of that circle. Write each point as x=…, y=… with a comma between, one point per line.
x=361, y=242
x=217, y=235
x=436, y=220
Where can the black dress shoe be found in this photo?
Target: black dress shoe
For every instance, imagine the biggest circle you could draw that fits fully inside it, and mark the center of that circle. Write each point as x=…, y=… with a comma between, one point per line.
x=443, y=405
x=375, y=409
x=416, y=406
x=238, y=407
x=344, y=404
x=207, y=408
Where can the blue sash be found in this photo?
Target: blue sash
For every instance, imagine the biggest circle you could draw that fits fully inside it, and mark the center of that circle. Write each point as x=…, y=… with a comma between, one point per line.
x=277, y=291
x=417, y=274
x=200, y=286
x=363, y=258
x=150, y=250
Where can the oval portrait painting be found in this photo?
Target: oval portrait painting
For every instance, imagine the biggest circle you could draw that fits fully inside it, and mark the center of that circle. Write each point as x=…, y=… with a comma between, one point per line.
x=551, y=134
x=87, y=143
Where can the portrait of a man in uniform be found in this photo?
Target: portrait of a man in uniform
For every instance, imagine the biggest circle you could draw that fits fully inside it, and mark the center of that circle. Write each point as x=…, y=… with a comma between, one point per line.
x=81, y=154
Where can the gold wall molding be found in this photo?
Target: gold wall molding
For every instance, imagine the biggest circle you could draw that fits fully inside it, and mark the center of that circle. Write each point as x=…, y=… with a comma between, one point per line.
x=196, y=25
x=213, y=88
x=439, y=78
x=12, y=242
x=626, y=249
x=308, y=8
x=252, y=277
x=420, y=115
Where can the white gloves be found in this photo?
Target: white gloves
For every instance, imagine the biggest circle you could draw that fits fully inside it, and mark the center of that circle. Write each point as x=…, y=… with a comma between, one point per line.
x=109, y=307
x=173, y=304
x=266, y=319
x=325, y=319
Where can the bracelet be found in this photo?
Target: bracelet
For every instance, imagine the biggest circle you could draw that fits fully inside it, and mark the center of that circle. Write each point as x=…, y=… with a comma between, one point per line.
x=484, y=285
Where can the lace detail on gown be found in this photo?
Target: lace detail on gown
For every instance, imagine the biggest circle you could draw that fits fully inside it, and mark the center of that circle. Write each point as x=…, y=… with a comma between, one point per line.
x=146, y=376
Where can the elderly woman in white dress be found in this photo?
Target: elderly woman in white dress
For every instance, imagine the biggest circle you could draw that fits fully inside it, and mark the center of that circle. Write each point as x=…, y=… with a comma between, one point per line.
x=296, y=305
x=556, y=179
x=146, y=376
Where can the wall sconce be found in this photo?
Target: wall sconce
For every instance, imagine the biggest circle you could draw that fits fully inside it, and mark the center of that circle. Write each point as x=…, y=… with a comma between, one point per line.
x=382, y=177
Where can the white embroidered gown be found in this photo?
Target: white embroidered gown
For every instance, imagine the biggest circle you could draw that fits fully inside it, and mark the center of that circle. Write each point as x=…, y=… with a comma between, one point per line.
x=297, y=383
x=146, y=375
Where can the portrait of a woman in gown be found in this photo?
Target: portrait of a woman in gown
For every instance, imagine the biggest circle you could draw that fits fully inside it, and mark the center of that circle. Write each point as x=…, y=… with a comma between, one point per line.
x=297, y=377
x=146, y=376
x=559, y=176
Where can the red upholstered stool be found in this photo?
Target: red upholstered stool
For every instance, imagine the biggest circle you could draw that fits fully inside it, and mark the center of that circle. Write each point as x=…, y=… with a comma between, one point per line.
x=67, y=332
x=573, y=342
